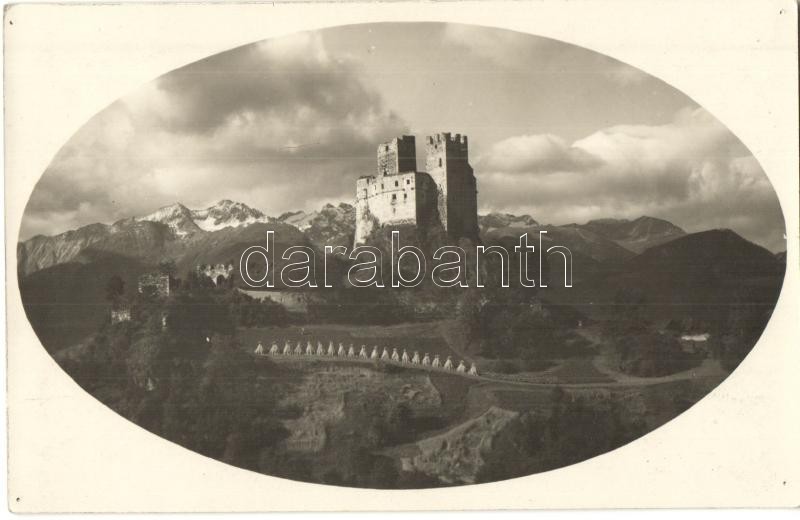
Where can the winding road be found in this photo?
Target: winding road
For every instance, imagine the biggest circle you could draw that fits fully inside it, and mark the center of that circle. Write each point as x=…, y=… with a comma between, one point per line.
x=709, y=368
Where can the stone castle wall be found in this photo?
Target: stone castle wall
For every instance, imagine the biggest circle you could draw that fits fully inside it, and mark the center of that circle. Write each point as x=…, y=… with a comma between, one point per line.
x=215, y=271
x=390, y=198
x=292, y=301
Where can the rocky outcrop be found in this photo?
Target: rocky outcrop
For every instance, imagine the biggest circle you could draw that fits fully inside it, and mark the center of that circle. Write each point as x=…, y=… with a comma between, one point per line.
x=457, y=455
x=504, y=220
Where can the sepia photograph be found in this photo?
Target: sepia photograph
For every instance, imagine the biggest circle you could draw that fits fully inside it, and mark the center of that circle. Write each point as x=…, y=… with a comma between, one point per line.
x=400, y=255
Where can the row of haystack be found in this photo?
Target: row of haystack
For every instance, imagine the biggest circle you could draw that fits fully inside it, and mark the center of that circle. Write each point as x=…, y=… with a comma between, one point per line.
x=350, y=352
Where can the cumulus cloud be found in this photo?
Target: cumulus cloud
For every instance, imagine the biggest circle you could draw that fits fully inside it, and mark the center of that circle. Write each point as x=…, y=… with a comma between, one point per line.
x=691, y=171
x=289, y=124
x=278, y=124
x=523, y=52
x=545, y=153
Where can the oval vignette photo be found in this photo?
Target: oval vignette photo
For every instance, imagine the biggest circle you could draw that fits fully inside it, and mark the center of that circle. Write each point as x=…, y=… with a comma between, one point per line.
x=402, y=255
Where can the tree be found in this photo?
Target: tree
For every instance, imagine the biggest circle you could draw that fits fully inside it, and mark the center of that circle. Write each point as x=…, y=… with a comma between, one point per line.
x=115, y=289
x=168, y=267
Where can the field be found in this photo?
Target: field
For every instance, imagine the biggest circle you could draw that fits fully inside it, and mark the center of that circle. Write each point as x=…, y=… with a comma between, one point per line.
x=579, y=370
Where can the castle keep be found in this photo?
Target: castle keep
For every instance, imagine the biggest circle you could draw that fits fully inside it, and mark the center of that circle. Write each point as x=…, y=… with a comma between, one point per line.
x=400, y=194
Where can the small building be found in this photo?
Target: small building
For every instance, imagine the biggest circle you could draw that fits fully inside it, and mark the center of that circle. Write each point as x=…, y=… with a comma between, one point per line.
x=695, y=343
x=156, y=284
x=120, y=314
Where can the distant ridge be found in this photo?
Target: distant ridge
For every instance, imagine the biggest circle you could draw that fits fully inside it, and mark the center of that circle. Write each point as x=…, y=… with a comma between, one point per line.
x=178, y=232
x=717, y=251
x=634, y=235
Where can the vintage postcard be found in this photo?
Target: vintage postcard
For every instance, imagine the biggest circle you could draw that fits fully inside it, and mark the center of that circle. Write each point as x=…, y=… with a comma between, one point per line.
x=402, y=256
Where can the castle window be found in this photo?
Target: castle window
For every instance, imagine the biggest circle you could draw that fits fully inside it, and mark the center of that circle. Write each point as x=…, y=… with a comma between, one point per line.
x=386, y=148
x=395, y=184
x=405, y=196
x=381, y=185
x=408, y=181
x=440, y=161
x=394, y=196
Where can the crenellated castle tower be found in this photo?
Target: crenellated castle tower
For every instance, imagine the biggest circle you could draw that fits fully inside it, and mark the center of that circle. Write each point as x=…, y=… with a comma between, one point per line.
x=457, y=200
x=399, y=194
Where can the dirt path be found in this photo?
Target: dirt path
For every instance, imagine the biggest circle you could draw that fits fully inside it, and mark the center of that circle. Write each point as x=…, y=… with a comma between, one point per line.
x=709, y=368
x=600, y=362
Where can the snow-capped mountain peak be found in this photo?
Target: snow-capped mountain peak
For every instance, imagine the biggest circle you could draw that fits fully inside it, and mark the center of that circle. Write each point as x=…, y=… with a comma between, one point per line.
x=225, y=213
x=300, y=219
x=177, y=216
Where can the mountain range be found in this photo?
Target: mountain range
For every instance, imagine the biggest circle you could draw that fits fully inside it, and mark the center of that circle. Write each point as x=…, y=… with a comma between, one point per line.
x=62, y=277
x=176, y=231
x=185, y=222
x=634, y=235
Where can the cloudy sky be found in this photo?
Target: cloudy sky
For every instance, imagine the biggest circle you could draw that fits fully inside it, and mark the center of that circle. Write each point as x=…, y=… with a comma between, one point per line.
x=556, y=131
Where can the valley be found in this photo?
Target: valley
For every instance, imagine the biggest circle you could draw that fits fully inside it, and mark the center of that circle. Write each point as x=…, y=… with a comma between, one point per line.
x=563, y=373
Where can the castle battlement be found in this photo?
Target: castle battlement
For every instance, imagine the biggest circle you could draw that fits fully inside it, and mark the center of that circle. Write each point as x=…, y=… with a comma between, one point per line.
x=446, y=138
x=400, y=194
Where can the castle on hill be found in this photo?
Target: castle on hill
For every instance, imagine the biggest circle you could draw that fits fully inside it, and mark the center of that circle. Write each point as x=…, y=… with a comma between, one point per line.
x=399, y=194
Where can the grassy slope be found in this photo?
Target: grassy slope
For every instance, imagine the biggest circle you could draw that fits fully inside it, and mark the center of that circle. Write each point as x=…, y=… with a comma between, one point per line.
x=65, y=303
x=697, y=276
